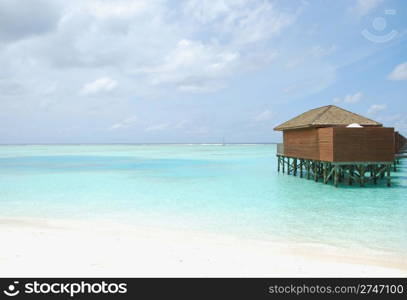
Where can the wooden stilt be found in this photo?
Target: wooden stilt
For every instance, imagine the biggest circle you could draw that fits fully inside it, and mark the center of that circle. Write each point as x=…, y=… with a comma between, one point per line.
x=336, y=176
x=351, y=175
x=361, y=173
x=375, y=174
x=288, y=166
x=338, y=172
x=283, y=164
x=362, y=170
x=388, y=176
x=295, y=166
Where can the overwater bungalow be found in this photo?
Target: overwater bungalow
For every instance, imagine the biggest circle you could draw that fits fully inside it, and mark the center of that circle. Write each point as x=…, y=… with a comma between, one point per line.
x=335, y=144
x=399, y=142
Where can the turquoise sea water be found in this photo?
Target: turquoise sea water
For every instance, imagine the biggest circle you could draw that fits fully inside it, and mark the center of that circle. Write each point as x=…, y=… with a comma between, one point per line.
x=231, y=189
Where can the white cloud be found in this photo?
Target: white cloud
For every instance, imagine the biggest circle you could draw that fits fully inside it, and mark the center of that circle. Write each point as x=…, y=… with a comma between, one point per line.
x=128, y=122
x=398, y=121
x=353, y=98
x=321, y=51
x=399, y=72
x=241, y=21
x=364, y=7
x=293, y=63
x=104, y=84
x=311, y=81
x=206, y=11
x=350, y=98
x=192, y=46
x=21, y=19
x=168, y=125
x=198, y=131
x=391, y=118
x=158, y=127
x=264, y=116
x=180, y=124
x=193, y=66
x=375, y=108
x=401, y=124
x=117, y=9
x=315, y=52
x=253, y=24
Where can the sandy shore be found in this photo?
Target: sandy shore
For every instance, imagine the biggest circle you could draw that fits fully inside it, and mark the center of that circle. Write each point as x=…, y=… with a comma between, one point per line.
x=41, y=248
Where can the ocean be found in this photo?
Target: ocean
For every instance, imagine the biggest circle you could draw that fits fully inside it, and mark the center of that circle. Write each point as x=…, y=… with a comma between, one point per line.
x=232, y=189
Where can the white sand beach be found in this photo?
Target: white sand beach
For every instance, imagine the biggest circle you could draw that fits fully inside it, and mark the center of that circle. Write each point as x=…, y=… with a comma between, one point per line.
x=44, y=247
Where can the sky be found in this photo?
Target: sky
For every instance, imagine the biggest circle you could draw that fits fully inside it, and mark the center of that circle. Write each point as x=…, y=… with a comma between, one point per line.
x=194, y=71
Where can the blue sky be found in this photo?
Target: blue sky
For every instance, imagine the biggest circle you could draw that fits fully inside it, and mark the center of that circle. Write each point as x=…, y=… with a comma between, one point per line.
x=102, y=71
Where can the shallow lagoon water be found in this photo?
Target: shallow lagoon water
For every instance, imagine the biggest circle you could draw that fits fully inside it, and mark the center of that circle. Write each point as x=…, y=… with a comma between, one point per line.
x=233, y=189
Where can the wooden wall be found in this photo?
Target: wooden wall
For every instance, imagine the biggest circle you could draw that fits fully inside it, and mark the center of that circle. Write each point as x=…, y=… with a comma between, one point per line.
x=301, y=143
x=399, y=142
x=325, y=137
x=341, y=144
x=363, y=144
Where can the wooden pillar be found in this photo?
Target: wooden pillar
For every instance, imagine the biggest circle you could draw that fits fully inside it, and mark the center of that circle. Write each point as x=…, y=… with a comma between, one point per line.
x=325, y=172
x=308, y=168
x=288, y=165
x=379, y=172
x=283, y=164
x=362, y=170
x=301, y=165
x=315, y=171
x=278, y=163
x=388, y=176
x=374, y=174
x=295, y=166
x=350, y=175
x=336, y=176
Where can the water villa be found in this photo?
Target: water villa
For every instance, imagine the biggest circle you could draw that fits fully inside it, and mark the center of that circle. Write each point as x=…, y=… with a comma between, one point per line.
x=331, y=143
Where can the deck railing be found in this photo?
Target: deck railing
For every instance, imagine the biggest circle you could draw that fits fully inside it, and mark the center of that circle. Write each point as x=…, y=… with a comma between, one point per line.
x=280, y=149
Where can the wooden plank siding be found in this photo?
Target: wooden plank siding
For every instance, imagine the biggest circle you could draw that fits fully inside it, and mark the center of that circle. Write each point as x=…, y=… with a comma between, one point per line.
x=363, y=144
x=341, y=144
x=399, y=142
x=325, y=136
x=301, y=143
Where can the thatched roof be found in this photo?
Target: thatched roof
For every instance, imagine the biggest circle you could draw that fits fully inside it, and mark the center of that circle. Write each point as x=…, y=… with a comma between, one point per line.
x=325, y=116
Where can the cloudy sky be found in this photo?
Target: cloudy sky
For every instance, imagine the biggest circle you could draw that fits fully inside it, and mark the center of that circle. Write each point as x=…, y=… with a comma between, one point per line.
x=107, y=71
